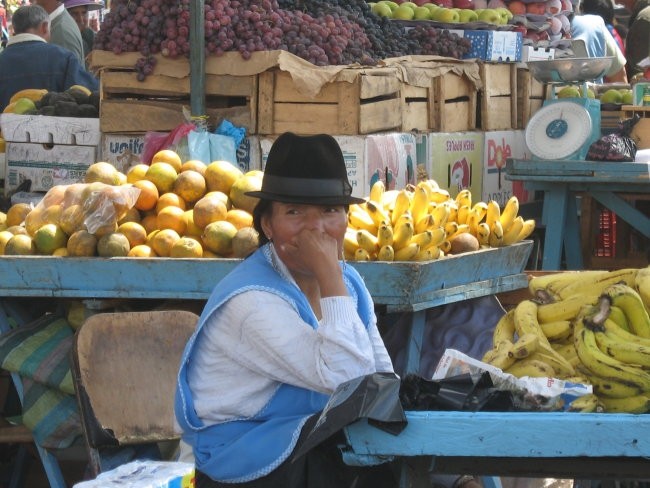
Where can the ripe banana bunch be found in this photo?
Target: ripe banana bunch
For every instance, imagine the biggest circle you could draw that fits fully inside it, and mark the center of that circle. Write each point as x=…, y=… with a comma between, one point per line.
x=419, y=222
x=597, y=323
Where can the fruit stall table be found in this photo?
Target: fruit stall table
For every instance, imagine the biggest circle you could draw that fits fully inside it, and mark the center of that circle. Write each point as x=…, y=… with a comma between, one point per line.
x=410, y=287
x=560, y=181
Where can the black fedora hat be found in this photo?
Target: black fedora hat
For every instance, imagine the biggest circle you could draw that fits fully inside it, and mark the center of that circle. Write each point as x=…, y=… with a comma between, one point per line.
x=306, y=169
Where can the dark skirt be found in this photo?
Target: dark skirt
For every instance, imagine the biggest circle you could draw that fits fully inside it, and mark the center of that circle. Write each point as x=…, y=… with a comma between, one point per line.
x=322, y=467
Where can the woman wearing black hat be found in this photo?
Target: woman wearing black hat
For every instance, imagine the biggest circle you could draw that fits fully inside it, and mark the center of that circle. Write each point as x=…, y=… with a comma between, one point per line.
x=280, y=333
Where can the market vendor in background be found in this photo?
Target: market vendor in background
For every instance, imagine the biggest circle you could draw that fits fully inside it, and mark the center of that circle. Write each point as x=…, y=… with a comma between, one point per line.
x=598, y=41
x=79, y=10
x=63, y=28
x=29, y=61
x=280, y=333
x=605, y=9
x=638, y=41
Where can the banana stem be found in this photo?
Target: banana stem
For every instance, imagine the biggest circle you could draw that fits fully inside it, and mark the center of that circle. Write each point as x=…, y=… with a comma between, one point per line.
x=596, y=321
x=542, y=297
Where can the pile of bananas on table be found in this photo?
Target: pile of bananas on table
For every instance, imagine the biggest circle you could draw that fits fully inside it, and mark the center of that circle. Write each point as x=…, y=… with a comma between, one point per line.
x=588, y=327
x=423, y=222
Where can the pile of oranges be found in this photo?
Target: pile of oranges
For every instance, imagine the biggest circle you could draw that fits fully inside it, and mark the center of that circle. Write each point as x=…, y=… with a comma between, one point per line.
x=169, y=208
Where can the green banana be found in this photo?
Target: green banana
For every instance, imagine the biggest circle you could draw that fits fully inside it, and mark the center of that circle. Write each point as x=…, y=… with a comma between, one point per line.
x=633, y=404
x=642, y=285
x=566, y=309
x=628, y=300
x=618, y=316
x=603, y=365
x=534, y=368
x=505, y=328
x=525, y=345
x=588, y=403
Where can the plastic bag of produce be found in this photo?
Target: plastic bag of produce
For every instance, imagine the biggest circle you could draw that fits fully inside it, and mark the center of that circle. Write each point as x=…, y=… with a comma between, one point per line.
x=618, y=146
x=175, y=140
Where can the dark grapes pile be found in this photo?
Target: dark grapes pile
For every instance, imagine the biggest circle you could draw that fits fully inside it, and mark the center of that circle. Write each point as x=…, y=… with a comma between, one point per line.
x=332, y=32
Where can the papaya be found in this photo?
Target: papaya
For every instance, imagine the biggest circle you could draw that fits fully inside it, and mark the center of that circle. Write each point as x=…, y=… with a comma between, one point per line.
x=33, y=94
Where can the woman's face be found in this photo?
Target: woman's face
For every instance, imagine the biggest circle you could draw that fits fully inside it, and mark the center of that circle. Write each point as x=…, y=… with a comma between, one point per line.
x=80, y=16
x=285, y=221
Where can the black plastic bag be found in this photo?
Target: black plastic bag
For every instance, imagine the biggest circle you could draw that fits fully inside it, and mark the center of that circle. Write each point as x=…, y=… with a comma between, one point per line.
x=374, y=397
x=615, y=147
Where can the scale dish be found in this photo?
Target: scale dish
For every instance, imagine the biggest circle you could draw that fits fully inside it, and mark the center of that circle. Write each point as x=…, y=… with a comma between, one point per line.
x=569, y=69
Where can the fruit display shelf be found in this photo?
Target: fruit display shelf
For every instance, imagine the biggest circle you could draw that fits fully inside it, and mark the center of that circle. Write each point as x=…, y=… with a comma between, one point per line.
x=400, y=286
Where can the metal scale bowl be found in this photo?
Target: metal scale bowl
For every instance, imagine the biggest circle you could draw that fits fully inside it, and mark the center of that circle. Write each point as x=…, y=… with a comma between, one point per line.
x=565, y=128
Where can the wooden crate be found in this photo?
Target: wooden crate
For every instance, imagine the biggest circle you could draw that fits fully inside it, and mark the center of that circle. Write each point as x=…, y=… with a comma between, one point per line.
x=530, y=96
x=498, y=96
x=158, y=103
x=368, y=104
x=641, y=131
x=612, y=244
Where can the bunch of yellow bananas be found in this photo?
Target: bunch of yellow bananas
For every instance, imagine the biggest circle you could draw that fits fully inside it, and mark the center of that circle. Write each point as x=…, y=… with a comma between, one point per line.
x=594, y=328
x=419, y=222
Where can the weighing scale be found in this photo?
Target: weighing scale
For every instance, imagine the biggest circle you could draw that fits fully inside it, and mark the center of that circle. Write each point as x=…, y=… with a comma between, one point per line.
x=565, y=128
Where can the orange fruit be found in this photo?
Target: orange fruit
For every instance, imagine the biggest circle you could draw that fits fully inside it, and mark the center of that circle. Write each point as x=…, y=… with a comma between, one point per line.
x=238, y=192
x=73, y=194
x=149, y=222
x=218, y=236
x=134, y=232
x=20, y=245
x=17, y=213
x=190, y=185
x=171, y=218
x=49, y=237
x=113, y=244
x=148, y=196
x=239, y=218
x=102, y=172
x=221, y=196
x=105, y=228
x=170, y=199
x=82, y=243
x=5, y=235
x=209, y=254
x=61, y=252
x=162, y=175
x=168, y=156
x=136, y=172
x=131, y=215
x=191, y=229
x=220, y=176
x=209, y=209
x=121, y=179
x=52, y=214
x=245, y=242
x=54, y=196
x=72, y=219
x=163, y=240
x=34, y=220
x=118, y=198
x=194, y=165
x=17, y=229
x=186, y=247
x=142, y=251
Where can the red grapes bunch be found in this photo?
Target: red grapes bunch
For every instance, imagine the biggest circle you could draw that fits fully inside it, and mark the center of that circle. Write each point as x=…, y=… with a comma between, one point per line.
x=322, y=32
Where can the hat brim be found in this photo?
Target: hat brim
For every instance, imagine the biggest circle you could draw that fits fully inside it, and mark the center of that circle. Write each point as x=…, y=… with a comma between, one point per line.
x=89, y=6
x=305, y=199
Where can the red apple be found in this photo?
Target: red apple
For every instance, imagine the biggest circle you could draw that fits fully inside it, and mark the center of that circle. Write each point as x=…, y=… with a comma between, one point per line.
x=464, y=4
x=517, y=7
x=444, y=3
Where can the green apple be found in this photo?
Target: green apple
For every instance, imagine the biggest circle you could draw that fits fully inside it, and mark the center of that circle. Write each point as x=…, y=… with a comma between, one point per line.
x=628, y=97
x=411, y=5
x=590, y=93
x=505, y=14
x=432, y=7
x=490, y=16
x=422, y=13
x=467, y=15
x=569, y=92
x=390, y=3
x=611, y=96
x=403, y=12
x=382, y=10
x=446, y=15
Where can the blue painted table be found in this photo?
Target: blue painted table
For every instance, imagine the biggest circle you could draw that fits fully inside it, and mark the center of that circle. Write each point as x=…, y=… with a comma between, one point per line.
x=561, y=181
x=400, y=286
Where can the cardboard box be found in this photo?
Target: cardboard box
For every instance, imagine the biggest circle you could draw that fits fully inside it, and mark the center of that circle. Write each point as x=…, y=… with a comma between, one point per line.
x=498, y=146
x=492, y=45
x=122, y=150
x=390, y=157
x=456, y=161
x=249, y=154
x=50, y=130
x=47, y=166
x=531, y=53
